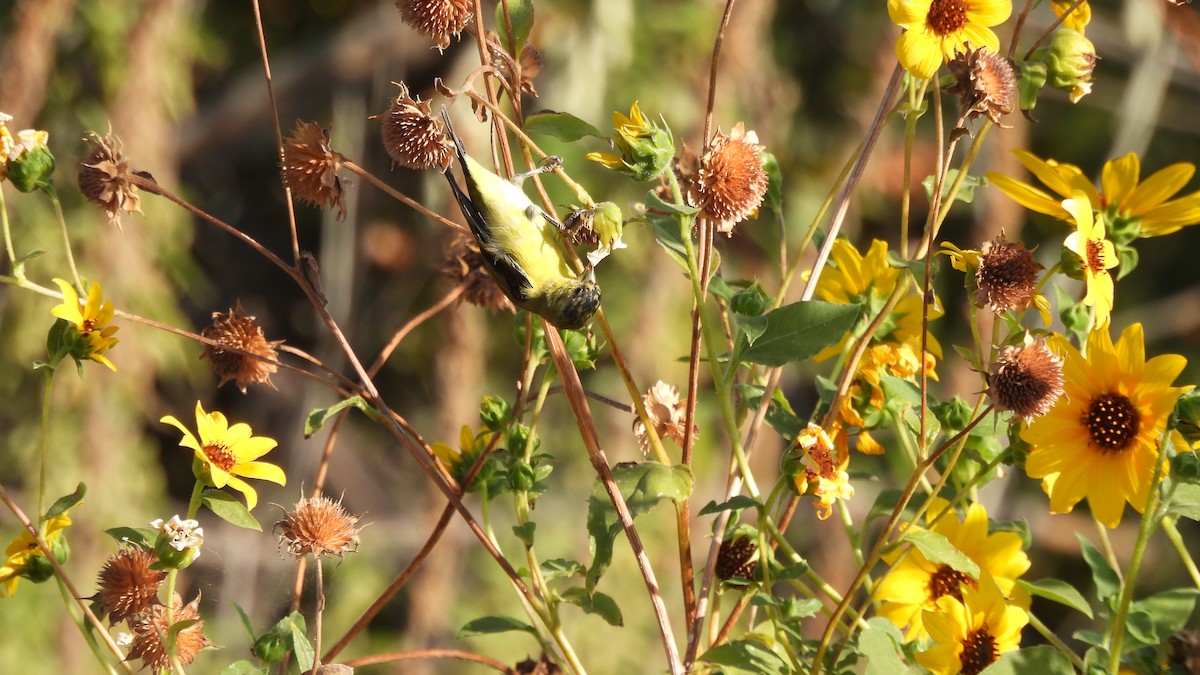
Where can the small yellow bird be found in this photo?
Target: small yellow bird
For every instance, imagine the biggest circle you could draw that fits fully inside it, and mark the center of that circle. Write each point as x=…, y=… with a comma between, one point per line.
x=519, y=243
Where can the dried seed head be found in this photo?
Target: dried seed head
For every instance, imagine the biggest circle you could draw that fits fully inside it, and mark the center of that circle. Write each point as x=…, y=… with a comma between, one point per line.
x=150, y=624
x=736, y=558
x=730, y=183
x=543, y=666
x=236, y=330
x=310, y=167
x=439, y=20
x=320, y=526
x=985, y=82
x=104, y=178
x=666, y=412
x=412, y=136
x=464, y=264
x=1026, y=379
x=127, y=584
x=1007, y=275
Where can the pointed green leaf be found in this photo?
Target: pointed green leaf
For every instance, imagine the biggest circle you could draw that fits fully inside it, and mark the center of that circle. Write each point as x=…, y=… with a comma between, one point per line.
x=1108, y=584
x=229, y=508
x=1043, y=659
x=490, y=625
x=317, y=418
x=520, y=13
x=882, y=643
x=67, y=502
x=563, y=126
x=937, y=549
x=1059, y=591
x=798, y=331
x=747, y=656
x=597, y=603
x=737, y=502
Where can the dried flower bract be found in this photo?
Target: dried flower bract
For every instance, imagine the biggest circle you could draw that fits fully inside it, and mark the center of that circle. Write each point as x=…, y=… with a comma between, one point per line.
x=464, y=264
x=152, y=623
x=666, y=412
x=1026, y=379
x=440, y=20
x=235, y=330
x=104, y=178
x=1007, y=275
x=730, y=183
x=985, y=82
x=320, y=526
x=412, y=136
x=737, y=557
x=310, y=167
x=127, y=584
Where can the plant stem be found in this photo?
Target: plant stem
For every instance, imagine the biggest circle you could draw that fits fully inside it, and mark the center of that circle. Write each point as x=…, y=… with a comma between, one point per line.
x=1172, y=532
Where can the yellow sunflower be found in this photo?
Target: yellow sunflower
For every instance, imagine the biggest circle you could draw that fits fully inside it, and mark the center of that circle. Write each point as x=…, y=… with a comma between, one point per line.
x=90, y=319
x=1097, y=253
x=1078, y=19
x=1122, y=196
x=23, y=549
x=224, y=452
x=1100, y=440
x=936, y=30
x=914, y=584
x=971, y=633
x=869, y=280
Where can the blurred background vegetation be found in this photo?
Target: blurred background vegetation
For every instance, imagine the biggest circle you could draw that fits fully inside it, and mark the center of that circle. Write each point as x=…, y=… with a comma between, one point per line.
x=181, y=83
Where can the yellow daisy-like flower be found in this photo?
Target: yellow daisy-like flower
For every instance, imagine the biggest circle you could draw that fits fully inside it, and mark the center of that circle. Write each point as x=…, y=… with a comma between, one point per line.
x=971, y=633
x=1100, y=440
x=91, y=319
x=914, y=584
x=1097, y=253
x=1122, y=194
x=1076, y=20
x=224, y=452
x=869, y=280
x=21, y=551
x=936, y=30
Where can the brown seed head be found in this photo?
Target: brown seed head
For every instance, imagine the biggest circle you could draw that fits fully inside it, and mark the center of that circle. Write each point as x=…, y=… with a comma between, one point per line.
x=730, y=183
x=127, y=584
x=1026, y=379
x=666, y=412
x=543, y=666
x=320, y=526
x=310, y=167
x=1007, y=275
x=104, y=178
x=150, y=624
x=985, y=82
x=439, y=20
x=736, y=558
x=464, y=264
x=412, y=136
x=236, y=330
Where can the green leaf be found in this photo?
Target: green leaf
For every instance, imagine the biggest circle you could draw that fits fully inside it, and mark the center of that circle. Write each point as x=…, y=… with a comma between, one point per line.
x=966, y=192
x=302, y=648
x=563, y=126
x=556, y=568
x=1185, y=501
x=597, y=603
x=244, y=667
x=317, y=418
x=1152, y=620
x=643, y=486
x=229, y=508
x=1059, y=591
x=737, y=502
x=520, y=13
x=798, y=331
x=525, y=532
x=937, y=549
x=656, y=203
x=1043, y=659
x=490, y=625
x=138, y=536
x=885, y=504
x=245, y=618
x=67, y=502
x=792, y=571
x=774, y=196
x=882, y=644
x=746, y=656
x=1108, y=584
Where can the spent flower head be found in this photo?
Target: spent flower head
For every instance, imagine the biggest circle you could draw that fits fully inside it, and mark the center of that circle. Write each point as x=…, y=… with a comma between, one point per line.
x=824, y=470
x=104, y=178
x=128, y=584
x=223, y=452
x=1100, y=439
x=413, y=136
x=936, y=30
x=237, y=330
x=320, y=526
x=730, y=182
x=1026, y=379
x=439, y=20
x=151, y=626
x=985, y=82
x=666, y=412
x=1006, y=277
x=310, y=167
x=89, y=335
x=464, y=264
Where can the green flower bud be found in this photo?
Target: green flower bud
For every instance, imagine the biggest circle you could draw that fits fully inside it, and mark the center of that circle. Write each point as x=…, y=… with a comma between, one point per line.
x=31, y=163
x=1070, y=60
x=271, y=647
x=1071, y=264
x=178, y=543
x=752, y=301
x=495, y=413
x=645, y=150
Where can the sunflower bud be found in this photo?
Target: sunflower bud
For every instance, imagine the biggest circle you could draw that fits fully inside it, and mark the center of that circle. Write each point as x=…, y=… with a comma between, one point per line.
x=645, y=148
x=30, y=163
x=1070, y=60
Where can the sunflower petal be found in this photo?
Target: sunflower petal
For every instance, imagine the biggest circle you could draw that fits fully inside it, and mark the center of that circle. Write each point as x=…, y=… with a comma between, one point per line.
x=1119, y=178
x=1027, y=195
x=1158, y=188
x=262, y=471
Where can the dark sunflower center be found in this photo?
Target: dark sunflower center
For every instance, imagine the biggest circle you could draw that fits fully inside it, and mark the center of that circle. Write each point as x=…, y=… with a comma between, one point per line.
x=1095, y=256
x=1112, y=422
x=220, y=456
x=946, y=17
x=948, y=581
x=979, y=651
